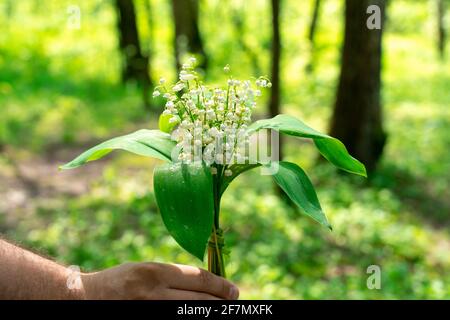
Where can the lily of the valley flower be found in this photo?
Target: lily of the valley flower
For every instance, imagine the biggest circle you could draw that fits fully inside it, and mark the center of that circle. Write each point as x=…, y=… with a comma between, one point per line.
x=212, y=121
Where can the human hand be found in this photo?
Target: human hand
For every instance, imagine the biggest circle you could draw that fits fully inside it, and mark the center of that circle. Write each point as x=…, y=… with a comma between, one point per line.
x=157, y=281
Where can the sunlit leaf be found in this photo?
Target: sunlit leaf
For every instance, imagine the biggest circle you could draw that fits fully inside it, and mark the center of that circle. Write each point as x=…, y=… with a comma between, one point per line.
x=184, y=193
x=331, y=148
x=294, y=181
x=150, y=143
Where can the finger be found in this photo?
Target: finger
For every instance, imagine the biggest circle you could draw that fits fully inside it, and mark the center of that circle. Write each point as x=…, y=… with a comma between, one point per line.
x=196, y=279
x=176, y=294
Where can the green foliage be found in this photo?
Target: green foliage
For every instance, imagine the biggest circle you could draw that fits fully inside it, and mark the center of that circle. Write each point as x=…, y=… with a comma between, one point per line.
x=279, y=255
x=150, y=143
x=184, y=195
x=60, y=87
x=180, y=193
x=331, y=148
x=294, y=181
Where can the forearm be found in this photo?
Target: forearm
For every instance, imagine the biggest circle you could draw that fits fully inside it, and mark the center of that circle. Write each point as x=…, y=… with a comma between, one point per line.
x=25, y=275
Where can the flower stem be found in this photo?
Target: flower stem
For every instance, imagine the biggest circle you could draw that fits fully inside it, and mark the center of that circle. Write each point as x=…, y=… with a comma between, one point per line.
x=215, y=253
x=216, y=241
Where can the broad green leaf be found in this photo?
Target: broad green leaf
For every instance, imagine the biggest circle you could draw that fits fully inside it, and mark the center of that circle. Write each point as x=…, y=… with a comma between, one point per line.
x=331, y=148
x=334, y=151
x=164, y=123
x=150, y=143
x=294, y=181
x=184, y=193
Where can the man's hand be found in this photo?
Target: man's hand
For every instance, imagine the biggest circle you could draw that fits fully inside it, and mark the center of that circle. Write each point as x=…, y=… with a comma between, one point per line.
x=157, y=281
x=25, y=275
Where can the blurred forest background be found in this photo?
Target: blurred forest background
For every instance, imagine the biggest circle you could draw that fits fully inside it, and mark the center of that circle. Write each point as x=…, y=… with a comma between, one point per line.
x=73, y=73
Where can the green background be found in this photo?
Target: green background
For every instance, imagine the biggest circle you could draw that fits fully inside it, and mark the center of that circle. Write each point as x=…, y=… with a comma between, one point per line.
x=60, y=93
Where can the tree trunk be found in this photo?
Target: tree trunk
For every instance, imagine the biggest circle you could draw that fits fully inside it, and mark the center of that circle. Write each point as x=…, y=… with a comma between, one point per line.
x=135, y=64
x=187, y=34
x=275, y=93
x=357, y=117
x=313, y=24
x=311, y=35
x=274, y=102
x=441, y=27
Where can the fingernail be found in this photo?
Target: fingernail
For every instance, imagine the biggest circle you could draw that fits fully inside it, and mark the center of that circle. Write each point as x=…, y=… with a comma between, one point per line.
x=234, y=293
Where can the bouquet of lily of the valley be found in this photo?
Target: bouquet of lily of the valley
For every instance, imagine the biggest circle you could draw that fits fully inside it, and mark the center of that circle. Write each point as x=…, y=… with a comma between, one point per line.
x=207, y=139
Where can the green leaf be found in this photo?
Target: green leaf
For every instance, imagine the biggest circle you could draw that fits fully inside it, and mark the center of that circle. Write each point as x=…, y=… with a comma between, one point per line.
x=294, y=181
x=164, y=123
x=331, y=148
x=184, y=193
x=334, y=151
x=150, y=143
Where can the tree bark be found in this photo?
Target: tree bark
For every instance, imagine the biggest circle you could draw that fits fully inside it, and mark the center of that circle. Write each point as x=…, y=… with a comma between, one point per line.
x=441, y=7
x=274, y=102
x=311, y=35
x=135, y=64
x=187, y=34
x=313, y=24
x=357, y=117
